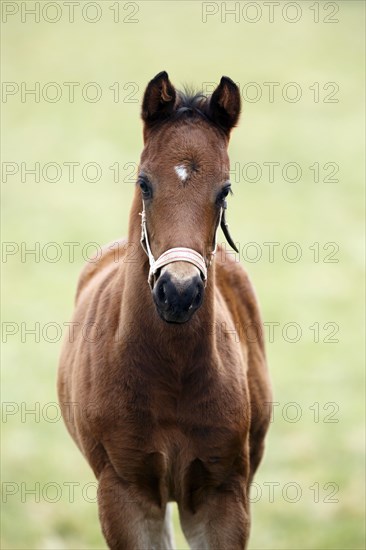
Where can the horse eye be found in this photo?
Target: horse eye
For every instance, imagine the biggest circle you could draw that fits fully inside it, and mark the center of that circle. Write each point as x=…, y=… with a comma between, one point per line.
x=223, y=194
x=145, y=189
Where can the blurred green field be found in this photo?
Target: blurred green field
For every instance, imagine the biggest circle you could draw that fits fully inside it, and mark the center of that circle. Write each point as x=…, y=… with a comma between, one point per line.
x=314, y=462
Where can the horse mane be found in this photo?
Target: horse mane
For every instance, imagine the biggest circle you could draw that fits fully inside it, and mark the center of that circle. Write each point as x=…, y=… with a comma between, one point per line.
x=191, y=104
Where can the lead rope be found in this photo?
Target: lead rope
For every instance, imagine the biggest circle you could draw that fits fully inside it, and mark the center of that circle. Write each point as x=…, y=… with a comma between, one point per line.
x=212, y=254
x=177, y=254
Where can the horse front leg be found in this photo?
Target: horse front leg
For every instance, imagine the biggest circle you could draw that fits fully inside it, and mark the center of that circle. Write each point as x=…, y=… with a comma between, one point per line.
x=221, y=521
x=128, y=520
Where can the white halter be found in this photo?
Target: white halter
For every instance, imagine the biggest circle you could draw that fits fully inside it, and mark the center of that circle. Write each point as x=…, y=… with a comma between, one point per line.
x=177, y=254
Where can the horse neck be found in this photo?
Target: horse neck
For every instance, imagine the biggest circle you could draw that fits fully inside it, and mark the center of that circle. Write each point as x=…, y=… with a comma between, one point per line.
x=138, y=314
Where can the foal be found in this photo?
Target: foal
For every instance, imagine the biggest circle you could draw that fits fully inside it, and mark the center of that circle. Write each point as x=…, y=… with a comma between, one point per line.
x=169, y=390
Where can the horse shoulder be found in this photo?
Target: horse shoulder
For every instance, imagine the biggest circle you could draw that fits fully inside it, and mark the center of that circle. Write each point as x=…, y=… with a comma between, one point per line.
x=96, y=307
x=239, y=295
x=98, y=267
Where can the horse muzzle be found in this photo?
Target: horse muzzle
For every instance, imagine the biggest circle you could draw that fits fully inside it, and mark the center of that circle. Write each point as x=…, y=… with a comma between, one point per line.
x=178, y=292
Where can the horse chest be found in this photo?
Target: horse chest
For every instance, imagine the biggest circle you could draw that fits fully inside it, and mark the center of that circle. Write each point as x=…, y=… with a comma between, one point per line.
x=177, y=462
x=174, y=446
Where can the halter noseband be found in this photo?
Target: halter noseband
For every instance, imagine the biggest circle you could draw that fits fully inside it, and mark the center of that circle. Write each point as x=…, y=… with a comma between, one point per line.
x=180, y=253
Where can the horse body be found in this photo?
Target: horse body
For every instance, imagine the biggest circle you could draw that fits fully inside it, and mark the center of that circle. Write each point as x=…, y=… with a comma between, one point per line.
x=167, y=411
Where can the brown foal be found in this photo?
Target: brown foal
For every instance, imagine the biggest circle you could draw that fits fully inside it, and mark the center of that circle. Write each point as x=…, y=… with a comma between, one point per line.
x=169, y=389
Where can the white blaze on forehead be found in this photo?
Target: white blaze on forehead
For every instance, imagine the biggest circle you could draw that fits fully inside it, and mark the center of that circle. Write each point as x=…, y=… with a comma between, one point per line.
x=181, y=172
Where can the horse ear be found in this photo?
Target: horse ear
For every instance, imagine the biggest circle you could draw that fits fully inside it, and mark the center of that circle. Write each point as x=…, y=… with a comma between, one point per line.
x=224, y=107
x=159, y=99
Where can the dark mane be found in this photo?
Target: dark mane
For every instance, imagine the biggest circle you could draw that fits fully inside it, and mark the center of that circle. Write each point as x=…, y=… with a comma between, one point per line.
x=191, y=104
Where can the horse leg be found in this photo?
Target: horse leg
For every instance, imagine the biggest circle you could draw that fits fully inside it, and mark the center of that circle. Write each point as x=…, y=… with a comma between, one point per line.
x=130, y=522
x=167, y=537
x=221, y=521
x=161, y=532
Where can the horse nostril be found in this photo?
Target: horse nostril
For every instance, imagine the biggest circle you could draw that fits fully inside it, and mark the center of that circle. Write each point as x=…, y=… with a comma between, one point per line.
x=162, y=293
x=197, y=299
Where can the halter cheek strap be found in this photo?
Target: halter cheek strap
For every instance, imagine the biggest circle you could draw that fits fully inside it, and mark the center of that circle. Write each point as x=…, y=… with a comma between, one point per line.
x=177, y=254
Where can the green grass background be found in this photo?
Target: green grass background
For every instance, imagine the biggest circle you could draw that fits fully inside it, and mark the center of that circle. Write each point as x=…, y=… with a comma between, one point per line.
x=172, y=36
